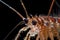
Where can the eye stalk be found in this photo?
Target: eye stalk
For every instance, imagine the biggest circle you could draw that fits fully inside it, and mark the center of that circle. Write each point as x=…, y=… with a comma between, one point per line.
x=34, y=22
x=25, y=20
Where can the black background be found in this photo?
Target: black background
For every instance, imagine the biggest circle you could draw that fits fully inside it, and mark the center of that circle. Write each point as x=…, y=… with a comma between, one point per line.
x=8, y=18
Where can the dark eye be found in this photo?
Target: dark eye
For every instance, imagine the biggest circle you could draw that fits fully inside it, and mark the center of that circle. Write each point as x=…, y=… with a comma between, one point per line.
x=34, y=22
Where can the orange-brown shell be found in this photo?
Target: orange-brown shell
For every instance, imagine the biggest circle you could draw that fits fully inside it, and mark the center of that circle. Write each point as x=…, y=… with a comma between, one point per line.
x=58, y=20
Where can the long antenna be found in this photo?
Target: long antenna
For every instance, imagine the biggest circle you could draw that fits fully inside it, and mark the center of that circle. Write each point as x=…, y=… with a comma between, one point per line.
x=57, y=4
x=12, y=9
x=20, y=23
x=24, y=8
x=51, y=7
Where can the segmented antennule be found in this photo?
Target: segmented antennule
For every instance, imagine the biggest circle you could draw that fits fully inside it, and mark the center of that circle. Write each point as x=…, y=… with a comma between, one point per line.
x=24, y=8
x=51, y=7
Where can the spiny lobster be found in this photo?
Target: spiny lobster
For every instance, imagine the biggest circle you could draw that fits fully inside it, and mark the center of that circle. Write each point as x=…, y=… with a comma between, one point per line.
x=42, y=26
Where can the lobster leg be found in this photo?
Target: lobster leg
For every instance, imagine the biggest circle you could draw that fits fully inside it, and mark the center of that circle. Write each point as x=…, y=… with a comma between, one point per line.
x=27, y=36
x=41, y=36
x=45, y=34
x=23, y=29
x=37, y=37
x=56, y=34
x=58, y=30
x=51, y=34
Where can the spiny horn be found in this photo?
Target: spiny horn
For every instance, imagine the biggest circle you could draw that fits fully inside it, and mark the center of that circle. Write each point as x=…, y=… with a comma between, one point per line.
x=24, y=8
x=51, y=7
x=12, y=9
